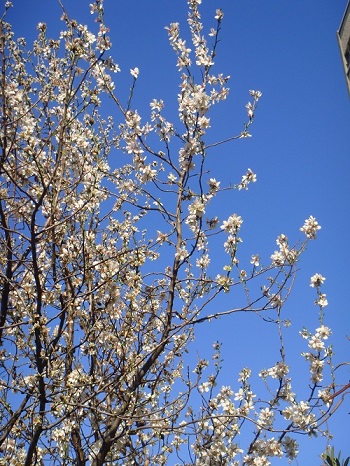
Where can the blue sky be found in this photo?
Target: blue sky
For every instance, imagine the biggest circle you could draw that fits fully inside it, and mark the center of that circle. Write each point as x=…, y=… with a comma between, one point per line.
x=300, y=147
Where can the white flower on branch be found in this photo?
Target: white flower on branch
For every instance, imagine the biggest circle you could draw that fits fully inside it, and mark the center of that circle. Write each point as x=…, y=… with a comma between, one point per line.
x=310, y=227
x=322, y=300
x=317, y=280
x=248, y=178
x=232, y=224
x=135, y=72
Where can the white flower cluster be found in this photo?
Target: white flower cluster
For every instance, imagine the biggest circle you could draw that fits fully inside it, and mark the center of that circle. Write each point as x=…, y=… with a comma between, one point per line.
x=300, y=414
x=232, y=224
x=316, y=341
x=317, y=280
x=278, y=371
x=248, y=178
x=310, y=227
x=285, y=254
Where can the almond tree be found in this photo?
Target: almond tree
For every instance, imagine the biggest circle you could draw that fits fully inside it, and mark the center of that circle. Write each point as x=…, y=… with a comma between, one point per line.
x=106, y=271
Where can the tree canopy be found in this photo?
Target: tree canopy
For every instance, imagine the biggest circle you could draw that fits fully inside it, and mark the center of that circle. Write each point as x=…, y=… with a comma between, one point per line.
x=107, y=226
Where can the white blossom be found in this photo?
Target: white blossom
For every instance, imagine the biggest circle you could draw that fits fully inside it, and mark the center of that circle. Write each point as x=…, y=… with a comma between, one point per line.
x=317, y=280
x=232, y=224
x=135, y=72
x=310, y=227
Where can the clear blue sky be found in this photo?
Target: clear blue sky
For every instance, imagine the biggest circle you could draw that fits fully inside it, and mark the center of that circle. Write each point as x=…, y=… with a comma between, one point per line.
x=300, y=148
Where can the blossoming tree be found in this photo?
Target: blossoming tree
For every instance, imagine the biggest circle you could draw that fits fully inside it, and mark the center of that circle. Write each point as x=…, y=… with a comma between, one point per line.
x=106, y=270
